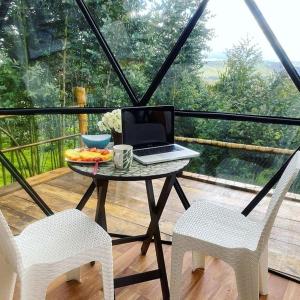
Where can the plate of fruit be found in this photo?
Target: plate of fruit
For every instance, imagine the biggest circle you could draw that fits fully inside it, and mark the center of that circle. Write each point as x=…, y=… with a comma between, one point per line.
x=88, y=155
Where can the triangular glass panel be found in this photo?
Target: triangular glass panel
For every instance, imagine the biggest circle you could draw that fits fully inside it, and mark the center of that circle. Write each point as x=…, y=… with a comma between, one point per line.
x=46, y=50
x=283, y=18
x=141, y=34
x=239, y=73
x=48, y=55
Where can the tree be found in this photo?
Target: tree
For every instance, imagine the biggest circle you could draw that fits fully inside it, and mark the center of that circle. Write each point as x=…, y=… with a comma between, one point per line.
x=240, y=89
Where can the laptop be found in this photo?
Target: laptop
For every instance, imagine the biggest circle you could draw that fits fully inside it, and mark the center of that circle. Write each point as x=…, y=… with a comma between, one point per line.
x=150, y=130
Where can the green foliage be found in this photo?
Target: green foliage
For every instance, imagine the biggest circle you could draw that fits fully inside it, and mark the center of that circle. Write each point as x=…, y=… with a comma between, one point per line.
x=47, y=49
x=12, y=89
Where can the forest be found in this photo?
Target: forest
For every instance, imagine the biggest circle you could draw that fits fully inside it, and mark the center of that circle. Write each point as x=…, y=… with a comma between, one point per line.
x=47, y=50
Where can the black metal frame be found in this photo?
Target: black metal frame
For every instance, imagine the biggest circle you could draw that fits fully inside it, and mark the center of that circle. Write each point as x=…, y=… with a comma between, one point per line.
x=25, y=185
x=174, y=53
x=288, y=65
x=264, y=191
x=178, y=113
x=110, y=56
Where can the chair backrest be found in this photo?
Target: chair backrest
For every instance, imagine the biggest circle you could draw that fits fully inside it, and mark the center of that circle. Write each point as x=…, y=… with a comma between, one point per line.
x=8, y=247
x=282, y=187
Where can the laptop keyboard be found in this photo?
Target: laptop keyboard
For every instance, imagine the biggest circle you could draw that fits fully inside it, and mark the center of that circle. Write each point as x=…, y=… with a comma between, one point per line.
x=158, y=150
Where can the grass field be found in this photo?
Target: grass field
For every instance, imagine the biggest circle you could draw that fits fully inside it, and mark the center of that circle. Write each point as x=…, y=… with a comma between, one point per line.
x=212, y=69
x=35, y=161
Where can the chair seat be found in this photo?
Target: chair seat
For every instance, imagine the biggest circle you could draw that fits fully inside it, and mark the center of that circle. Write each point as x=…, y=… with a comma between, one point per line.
x=60, y=236
x=218, y=225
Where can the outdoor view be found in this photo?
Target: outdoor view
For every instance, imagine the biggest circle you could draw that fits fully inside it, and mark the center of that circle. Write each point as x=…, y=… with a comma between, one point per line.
x=48, y=53
x=227, y=65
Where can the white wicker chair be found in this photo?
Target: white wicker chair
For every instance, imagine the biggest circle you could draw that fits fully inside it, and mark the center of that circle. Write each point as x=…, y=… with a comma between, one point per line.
x=209, y=229
x=50, y=247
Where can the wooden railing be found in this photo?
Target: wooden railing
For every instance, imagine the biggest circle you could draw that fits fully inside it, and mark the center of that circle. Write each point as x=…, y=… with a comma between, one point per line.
x=40, y=143
x=199, y=141
x=237, y=146
x=27, y=164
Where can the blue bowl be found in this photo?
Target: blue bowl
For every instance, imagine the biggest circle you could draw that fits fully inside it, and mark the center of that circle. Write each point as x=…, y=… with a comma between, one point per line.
x=98, y=141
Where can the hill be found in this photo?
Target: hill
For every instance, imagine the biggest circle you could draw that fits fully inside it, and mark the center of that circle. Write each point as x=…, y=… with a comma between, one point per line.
x=212, y=68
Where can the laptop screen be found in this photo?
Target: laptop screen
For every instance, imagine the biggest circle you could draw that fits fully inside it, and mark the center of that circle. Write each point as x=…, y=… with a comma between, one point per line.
x=148, y=126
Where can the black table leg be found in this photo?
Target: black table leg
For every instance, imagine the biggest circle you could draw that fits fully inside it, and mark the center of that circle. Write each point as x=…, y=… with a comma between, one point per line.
x=155, y=215
x=153, y=231
x=156, y=210
x=100, y=217
x=86, y=196
x=181, y=194
x=162, y=200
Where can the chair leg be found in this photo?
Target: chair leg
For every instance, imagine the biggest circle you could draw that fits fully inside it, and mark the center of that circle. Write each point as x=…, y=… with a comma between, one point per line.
x=176, y=270
x=7, y=281
x=74, y=275
x=263, y=273
x=247, y=281
x=198, y=260
x=33, y=287
x=107, y=278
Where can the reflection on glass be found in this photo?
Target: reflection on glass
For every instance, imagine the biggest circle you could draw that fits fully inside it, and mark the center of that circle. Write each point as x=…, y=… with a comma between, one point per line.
x=283, y=18
x=237, y=72
x=142, y=33
x=230, y=158
x=36, y=144
x=46, y=50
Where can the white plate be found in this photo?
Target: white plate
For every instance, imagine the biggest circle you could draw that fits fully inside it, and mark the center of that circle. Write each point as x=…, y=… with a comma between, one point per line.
x=86, y=162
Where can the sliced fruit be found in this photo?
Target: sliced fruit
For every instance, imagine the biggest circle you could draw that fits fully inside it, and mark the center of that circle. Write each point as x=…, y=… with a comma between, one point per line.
x=84, y=154
x=72, y=154
x=105, y=152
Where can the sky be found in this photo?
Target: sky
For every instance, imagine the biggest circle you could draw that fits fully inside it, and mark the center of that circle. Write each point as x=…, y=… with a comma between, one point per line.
x=233, y=20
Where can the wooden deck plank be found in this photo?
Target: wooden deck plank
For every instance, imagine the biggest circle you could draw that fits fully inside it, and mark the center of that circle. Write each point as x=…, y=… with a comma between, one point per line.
x=22, y=205
x=44, y=177
x=120, y=195
x=128, y=212
x=16, y=219
x=217, y=282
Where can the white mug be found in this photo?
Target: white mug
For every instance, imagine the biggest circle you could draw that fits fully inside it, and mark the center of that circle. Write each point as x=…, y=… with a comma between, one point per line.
x=123, y=156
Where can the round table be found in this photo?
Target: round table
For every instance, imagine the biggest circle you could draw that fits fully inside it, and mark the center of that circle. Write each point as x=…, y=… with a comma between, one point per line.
x=105, y=173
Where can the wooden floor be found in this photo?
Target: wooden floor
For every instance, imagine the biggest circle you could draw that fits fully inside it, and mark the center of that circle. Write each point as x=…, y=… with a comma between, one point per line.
x=127, y=213
x=216, y=283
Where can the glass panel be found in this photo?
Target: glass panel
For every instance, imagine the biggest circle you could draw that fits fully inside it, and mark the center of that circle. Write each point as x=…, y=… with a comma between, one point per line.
x=239, y=73
x=33, y=148
x=46, y=50
x=235, y=162
x=283, y=19
x=238, y=136
x=142, y=33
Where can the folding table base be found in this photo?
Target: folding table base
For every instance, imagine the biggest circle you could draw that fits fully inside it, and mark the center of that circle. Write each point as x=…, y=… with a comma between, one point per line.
x=153, y=232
